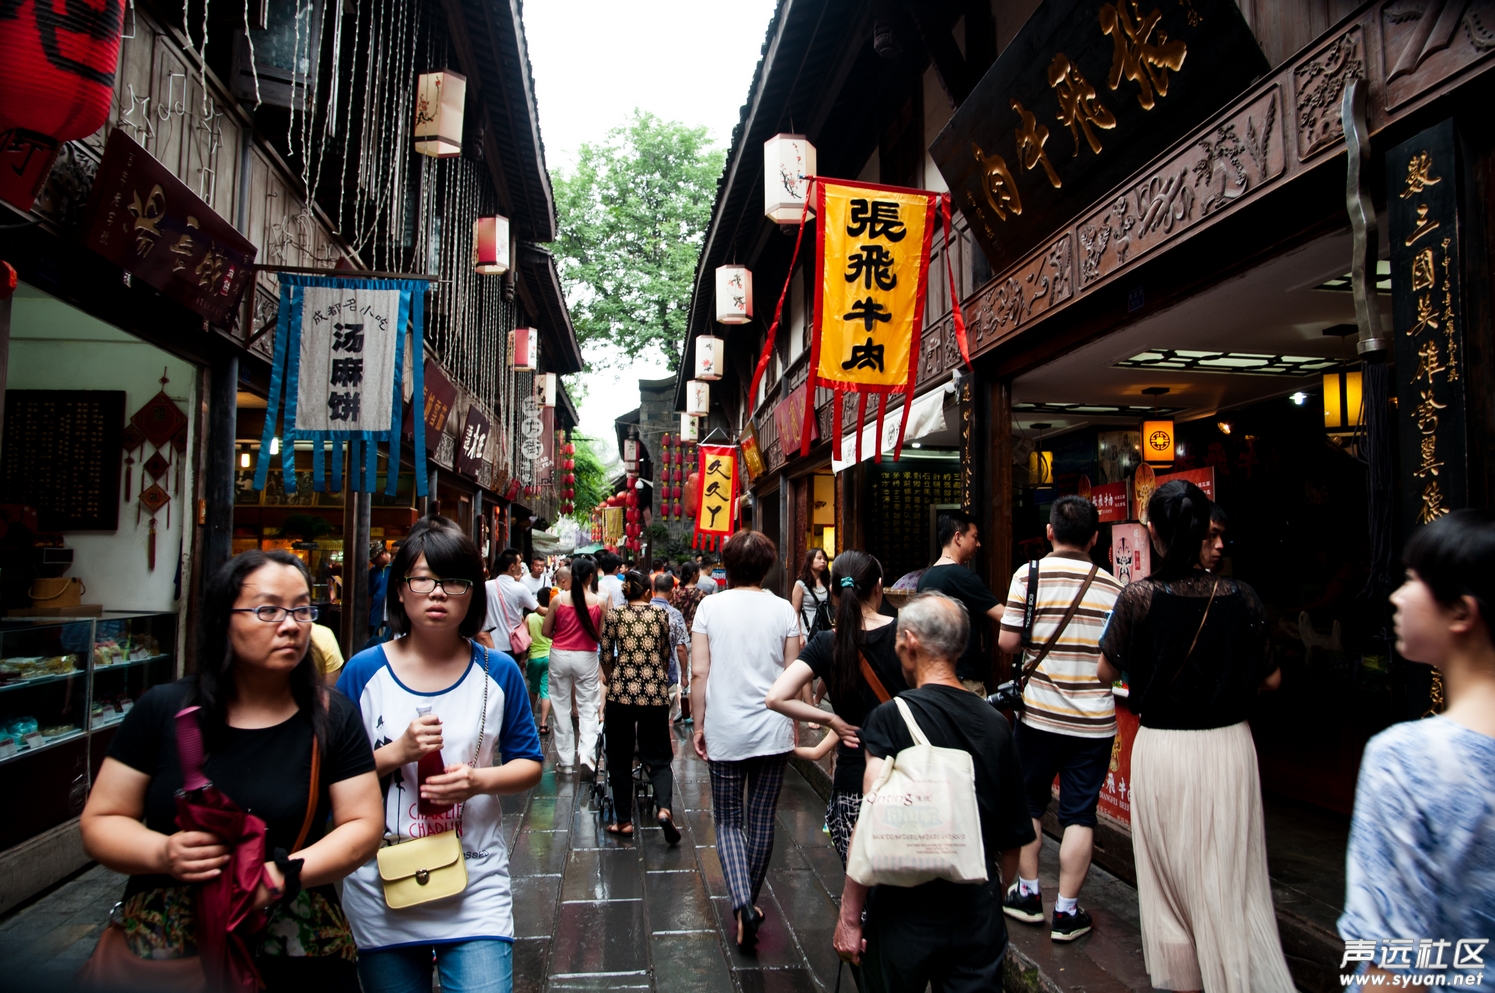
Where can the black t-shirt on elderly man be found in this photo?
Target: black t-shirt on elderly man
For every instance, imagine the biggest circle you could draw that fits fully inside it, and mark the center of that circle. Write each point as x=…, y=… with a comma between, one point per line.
x=951, y=717
x=267, y=771
x=959, y=583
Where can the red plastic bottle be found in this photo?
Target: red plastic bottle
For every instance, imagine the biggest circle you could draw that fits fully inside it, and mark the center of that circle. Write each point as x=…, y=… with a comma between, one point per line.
x=431, y=764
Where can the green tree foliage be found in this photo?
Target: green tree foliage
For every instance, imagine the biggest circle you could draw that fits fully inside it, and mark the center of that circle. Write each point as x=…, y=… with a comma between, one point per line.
x=593, y=482
x=632, y=218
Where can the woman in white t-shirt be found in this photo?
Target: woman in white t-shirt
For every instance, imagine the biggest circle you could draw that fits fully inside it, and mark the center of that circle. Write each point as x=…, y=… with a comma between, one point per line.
x=811, y=596
x=750, y=635
x=435, y=690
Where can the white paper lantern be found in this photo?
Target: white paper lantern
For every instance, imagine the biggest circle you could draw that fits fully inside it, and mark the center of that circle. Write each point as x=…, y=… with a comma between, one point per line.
x=689, y=431
x=630, y=454
x=711, y=357
x=524, y=349
x=734, y=294
x=545, y=386
x=490, y=246
x=698, y=398
x=439, y=101
x=787, y=162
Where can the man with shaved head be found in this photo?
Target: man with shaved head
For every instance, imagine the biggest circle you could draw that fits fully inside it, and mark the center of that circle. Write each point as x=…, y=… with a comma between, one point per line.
x=950, y=935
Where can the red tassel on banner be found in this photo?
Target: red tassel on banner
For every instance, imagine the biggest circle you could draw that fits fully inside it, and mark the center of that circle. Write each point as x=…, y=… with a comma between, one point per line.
x=778, y=311
x=960, y=321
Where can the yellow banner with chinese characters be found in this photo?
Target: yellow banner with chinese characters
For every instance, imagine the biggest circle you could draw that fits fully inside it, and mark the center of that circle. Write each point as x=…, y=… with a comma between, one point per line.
x=873, y=265
x=716, y=511
x=612, y=525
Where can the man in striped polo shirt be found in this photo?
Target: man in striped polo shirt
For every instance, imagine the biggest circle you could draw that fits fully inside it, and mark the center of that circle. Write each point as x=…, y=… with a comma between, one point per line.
x=1069, y=715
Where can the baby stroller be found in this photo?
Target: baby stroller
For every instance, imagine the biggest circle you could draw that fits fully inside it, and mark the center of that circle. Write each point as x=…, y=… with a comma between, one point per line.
x=602, y=799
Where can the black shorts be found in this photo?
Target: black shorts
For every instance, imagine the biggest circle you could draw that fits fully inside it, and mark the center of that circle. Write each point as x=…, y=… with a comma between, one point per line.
x=1080, y=763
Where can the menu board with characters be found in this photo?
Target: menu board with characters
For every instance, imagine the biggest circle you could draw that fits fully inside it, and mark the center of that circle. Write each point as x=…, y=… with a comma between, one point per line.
x=61, y=454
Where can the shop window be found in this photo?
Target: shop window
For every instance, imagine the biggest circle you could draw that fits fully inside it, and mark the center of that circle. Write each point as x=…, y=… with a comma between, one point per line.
x=284, y=61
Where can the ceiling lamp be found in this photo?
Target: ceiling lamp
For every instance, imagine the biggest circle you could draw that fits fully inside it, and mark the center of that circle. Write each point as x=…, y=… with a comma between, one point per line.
x=711, y=357
x=490, y=246
x=545, y=388
x=734, y=293
x=1157, y=441
x=439, y=101
x=524, y=349
x=1342, y=400
x=1041, y=468
x=688, y=428
x=788, y=162
x=697, y=398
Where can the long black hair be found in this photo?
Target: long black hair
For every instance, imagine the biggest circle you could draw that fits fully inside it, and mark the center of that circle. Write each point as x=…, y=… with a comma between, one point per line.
x=450, y=554
x=1181, y=514
x=583, y=578
x=807, y=570
x=854, y=576
x=214, y=687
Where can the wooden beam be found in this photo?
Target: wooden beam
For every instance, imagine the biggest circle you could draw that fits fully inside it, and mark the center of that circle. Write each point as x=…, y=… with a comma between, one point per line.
x=996, y=521
x=951, y=65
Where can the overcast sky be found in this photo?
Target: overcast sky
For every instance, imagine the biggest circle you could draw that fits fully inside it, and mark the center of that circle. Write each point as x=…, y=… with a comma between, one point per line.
x=594, y=61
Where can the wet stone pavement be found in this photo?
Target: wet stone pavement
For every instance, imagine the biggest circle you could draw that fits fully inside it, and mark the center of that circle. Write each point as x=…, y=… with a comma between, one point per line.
x=595, y=912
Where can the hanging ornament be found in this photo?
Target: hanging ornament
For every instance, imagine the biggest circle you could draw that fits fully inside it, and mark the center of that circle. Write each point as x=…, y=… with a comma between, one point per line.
x=130, y=440
x=161, y=424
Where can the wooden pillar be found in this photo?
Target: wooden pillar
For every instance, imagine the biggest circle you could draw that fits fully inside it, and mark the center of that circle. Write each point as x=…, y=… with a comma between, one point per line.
x=785, y=536
x=804, y=497
x=993, y=407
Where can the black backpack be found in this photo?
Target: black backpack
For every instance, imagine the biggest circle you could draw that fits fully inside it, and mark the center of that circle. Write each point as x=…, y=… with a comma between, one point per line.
x=824, y=621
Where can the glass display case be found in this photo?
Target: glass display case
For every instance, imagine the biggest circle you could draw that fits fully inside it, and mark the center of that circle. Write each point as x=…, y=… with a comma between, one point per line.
x=65, y=684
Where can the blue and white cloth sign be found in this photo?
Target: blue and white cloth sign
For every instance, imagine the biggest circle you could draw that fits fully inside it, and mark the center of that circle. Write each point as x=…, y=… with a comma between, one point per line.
x=339, y=352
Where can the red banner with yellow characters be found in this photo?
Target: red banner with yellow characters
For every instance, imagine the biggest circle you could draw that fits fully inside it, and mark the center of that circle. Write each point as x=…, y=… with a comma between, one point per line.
x=716, y=499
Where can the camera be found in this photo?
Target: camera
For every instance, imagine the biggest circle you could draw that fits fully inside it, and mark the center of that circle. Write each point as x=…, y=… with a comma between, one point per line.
x=1009, y=696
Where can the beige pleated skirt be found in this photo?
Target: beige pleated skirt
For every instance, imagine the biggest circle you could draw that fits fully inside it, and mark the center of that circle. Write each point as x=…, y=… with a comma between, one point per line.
x=1201, y=852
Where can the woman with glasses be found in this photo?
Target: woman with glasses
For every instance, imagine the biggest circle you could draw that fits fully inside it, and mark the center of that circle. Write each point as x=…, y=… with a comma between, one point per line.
x=262, y=712
x=432, y=690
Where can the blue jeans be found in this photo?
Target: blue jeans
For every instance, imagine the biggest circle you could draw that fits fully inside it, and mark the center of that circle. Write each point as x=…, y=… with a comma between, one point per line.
x=480, y=966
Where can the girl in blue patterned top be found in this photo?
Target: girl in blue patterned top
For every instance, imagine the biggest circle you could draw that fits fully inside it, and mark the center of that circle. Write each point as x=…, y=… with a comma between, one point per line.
x=1420, y=885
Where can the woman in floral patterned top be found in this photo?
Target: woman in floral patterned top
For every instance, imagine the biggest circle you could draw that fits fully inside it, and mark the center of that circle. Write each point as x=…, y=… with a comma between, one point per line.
x=635, y=665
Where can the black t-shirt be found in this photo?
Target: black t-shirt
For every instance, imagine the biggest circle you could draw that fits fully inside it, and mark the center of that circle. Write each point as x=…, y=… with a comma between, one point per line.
x=957, y=718
x=267, y=771
x=819, y=655
x=1148, y=637
x=960, y=583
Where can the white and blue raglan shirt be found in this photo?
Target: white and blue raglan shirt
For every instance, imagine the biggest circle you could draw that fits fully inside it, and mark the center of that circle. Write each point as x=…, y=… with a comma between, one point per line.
x=1421, y=863
x=485, y=909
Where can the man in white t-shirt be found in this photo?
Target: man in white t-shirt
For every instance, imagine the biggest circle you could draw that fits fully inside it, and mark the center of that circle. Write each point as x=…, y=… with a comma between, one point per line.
x=534, y=580
x=609, y=582
x=508, y=598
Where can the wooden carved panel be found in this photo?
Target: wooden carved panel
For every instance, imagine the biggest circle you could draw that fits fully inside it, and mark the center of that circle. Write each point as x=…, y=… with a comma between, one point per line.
x=1232, y=160
x=1319, y=84
x=1044, y=280
x=1428, y=41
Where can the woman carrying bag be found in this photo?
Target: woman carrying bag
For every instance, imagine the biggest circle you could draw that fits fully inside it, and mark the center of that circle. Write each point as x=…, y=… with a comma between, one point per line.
x=811, y=596
x=276, y=743
x=441, y=882
x=635, y=662
x=861, y=670
x=1194, y=648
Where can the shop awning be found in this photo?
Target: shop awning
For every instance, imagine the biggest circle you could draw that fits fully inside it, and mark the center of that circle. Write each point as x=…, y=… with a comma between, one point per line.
x=591, y=549
x=925, y=417
x=546, y=543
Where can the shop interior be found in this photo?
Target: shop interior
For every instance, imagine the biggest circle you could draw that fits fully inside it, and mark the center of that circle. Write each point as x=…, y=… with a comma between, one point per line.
x=1260, y=377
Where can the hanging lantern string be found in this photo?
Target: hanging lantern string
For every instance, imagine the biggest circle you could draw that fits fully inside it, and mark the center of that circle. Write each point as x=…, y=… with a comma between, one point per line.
x=778, y=309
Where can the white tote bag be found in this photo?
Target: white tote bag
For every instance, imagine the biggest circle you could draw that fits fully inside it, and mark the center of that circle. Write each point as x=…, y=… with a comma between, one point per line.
x=920, y=822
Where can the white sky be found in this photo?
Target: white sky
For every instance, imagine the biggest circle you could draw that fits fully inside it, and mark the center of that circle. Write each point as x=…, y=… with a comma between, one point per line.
x=594, y=61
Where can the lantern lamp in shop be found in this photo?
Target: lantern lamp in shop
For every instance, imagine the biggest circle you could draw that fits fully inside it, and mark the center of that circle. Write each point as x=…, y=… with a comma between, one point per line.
x=1342, y=400
x=439, y=101
x=788, y=162
x=490, y=246
x=711, y=357
x=697, y=399
x=524, y=348
x=689, y=431
x=734, y=293
x=545, y=385
x=1041, y=468
x=1157, y=441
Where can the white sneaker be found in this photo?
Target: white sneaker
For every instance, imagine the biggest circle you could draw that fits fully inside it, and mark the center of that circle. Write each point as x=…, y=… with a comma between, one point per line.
x=562, y=769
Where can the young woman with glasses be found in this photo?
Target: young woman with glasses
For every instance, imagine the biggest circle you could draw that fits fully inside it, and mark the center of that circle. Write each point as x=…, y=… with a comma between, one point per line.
x=434, y=690
x=263, y=709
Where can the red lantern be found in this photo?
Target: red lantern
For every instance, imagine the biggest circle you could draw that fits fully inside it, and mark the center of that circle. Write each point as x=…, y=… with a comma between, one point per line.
x=568, y=463
x=57, y=68
x=568, y=449
x=632, y=498
x=667, y=441
x=693, y=491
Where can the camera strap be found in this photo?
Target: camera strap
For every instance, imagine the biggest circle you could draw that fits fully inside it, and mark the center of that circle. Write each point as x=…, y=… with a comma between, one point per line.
x=1031, y=608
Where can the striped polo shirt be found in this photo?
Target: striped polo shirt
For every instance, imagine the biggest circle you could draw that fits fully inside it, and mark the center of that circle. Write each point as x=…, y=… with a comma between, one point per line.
x=1064, y=695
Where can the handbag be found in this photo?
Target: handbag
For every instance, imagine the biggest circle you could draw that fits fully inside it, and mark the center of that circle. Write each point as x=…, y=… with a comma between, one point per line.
x=113, y=966
x=423, y=870
x=520, y=640
x=920, y=821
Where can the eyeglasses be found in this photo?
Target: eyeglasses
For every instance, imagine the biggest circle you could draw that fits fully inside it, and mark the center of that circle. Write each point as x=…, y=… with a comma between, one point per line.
x=427, y=584
x=271, y=614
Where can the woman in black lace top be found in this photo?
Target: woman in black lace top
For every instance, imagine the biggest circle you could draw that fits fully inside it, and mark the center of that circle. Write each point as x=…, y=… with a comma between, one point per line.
x=1193, y=646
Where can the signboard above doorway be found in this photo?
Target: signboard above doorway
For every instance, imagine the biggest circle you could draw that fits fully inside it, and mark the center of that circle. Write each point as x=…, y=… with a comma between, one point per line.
x=1083, y=97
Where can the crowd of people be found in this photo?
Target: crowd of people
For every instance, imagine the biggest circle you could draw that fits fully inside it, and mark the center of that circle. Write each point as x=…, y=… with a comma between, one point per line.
x=391, y=782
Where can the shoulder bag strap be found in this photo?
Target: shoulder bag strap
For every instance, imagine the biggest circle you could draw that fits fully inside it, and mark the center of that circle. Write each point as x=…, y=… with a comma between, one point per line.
x=1197, y=633
x=311, y=798
x=871, y=677
x=1069, y=615
x=483, y=725
x=908, y=719
x=1030, y=604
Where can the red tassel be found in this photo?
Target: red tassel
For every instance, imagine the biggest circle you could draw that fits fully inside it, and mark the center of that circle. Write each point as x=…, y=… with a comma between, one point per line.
x=960, y=321
x=129, y=475
x=778, y=311
x=151, y=547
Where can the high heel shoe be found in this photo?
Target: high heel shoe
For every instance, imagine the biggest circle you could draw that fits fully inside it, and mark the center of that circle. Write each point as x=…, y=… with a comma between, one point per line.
x=749, y=920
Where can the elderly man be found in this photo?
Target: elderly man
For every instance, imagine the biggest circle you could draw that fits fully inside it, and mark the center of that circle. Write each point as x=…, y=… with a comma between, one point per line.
x=950, y=936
